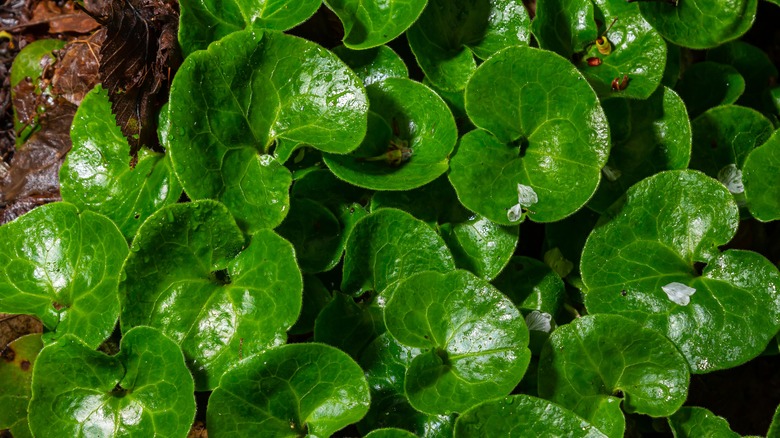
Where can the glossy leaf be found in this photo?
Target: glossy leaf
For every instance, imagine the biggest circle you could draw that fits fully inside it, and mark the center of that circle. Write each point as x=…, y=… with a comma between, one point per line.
x=63, y=267
x=16, y=367
x=204, y=21
x=531, y=285
x=558, y=153
x=474, y=340
x=369, y=24
x=774, y=428
x=145, y=390
x=726, y=135
x=190, y=275
x=389, y=245
x=97, y=174
x=448, y=35
x=390, y=433
x=634, y=47
x=761, y=176
x=700, y=24
x=30, y=63
x=289, y=391
x=315, y=233
x=709, y=84
x=315, y=298
x=373, y=65
x=670, y=224
x=592, y=363
x=406, y=116
x=648, y=136
x=257, y=96
x=385, y=362
x=692, y=421
x=348, y=325
x=518, y=416
x=477, y=244
x=755, y=66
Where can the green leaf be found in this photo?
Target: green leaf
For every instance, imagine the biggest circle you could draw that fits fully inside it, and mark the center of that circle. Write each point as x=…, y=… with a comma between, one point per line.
x=448, y=35
x=531, y=285
x=63, y=267
x=315, y=298
x=655, y=243
x=598, y=362
x=558, y=152
x=315, y=233
x=229, y=105
x=406, y=118
x=477, y=244
x=755, y=66
x=16, y=366
x=369, y=24
x=289, y=391
x=373, y=65
x=97, y=174
x=673, y=65
x=761, y=176
x=518, y=416
x=204, y=21
x=725, y=135
x=348, y=325
x=474, y=339
x=700, y=24
x=648, y=136
x=385, y=362
x=30, y=62
x=633, y=48
x=390, y=433
x=692, y=421
x=190, y=275
x=774, y=428
x=569, y=235
x=145, y=390
x=709, y=84
x=389, y=245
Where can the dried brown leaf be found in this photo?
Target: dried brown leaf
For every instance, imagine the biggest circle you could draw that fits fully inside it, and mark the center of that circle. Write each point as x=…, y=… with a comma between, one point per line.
x=77, y=72
x=65, y=19
x=15, y=326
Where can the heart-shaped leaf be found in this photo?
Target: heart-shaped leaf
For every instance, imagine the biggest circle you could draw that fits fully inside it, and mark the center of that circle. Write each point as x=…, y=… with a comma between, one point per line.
x=204, y=21
x=411, y=134
x=370, y=24
x=761, y=177
x=97, y=174
x=692, y=421
x=614, y=44
x=670, y=224
x=257, y=96
x=709, y=84
x=477, y=244
x=531, y=285
x=63, y=267
x=518, y=416
x=558, y=152
x=700, y=24
x=592, y=363
x=448, y=35
x=315, y=298
x=294, y=390
x=722, y=139
x=755, y=66
x=373, y=65
x=389, y=245
x=385, y=362
x=475, y=340
x=648, y=136
x=190, y=275
x=315, y=233
x=16, y=367
x=145, y=390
